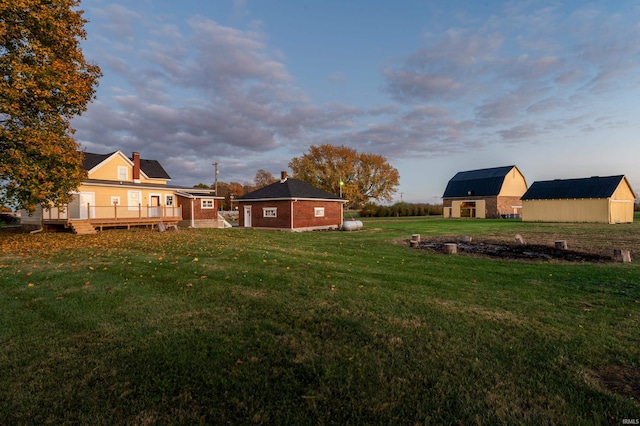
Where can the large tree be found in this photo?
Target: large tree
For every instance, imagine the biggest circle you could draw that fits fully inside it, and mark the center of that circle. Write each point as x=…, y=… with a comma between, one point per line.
x=360, y=177
x=45, y=83
x=263, y=178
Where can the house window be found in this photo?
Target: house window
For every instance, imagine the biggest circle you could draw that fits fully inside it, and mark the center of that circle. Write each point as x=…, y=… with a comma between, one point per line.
x=135, y=199
x=207, y=203
x=115, y=200
x=168, y=200
x=318, y=211
x=123, y=173
x=270, y=212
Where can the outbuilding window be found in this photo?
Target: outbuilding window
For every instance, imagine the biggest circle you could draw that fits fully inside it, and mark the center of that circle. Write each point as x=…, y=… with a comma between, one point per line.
x=318, y=211
x=270, y=212
x=207, y=203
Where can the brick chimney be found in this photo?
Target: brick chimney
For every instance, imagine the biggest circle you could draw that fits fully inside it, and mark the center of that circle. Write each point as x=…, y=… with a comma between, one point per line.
x=283, y=176
x=136, y=167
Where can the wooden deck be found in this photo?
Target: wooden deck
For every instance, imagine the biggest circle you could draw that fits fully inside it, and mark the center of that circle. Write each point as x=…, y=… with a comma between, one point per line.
x=128, y=223
x=102, y=223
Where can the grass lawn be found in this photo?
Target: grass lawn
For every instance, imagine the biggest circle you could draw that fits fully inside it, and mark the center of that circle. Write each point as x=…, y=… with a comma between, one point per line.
x=236, y=326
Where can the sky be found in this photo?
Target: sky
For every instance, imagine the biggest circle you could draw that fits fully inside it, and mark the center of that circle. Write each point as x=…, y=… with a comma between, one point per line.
x=437, y=87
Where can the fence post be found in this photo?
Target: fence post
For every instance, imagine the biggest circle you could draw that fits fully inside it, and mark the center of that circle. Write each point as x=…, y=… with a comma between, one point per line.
x=139, y=210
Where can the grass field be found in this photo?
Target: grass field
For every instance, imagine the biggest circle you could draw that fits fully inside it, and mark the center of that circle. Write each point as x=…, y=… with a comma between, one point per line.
x=257, y=327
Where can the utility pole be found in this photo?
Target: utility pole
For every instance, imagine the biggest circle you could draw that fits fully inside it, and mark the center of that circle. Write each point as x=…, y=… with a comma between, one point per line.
x=215, y=184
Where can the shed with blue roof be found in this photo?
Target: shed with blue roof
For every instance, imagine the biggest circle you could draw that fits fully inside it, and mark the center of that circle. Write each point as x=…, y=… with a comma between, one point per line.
x=608, y=199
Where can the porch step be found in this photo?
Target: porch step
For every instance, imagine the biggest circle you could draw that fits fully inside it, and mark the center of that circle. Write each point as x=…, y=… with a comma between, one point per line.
x=82, y=227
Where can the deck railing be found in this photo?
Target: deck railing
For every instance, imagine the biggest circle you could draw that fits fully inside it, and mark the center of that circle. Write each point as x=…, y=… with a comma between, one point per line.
x=113, y=212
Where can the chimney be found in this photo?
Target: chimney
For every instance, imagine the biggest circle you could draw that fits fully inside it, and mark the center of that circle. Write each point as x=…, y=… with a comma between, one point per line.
x=283, y=176
x=136, y=167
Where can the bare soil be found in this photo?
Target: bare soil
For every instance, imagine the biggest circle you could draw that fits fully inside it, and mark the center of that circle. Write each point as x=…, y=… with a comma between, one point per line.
x=620, y=380
x=515, y=251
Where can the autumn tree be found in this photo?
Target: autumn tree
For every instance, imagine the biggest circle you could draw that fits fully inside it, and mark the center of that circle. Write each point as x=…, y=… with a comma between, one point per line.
x=45, y=83
x=360, y=177
x=236, y=189
x=263, y=178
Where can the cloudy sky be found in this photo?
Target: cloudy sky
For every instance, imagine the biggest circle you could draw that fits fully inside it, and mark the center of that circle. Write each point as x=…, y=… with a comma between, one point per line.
x=435, y=86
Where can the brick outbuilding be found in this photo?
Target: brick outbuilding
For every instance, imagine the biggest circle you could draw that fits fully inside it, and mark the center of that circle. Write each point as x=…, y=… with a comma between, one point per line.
x=290, y=204
x=199, y=209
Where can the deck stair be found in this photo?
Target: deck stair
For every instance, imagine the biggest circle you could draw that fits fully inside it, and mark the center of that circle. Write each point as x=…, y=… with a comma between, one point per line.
x=82, y=227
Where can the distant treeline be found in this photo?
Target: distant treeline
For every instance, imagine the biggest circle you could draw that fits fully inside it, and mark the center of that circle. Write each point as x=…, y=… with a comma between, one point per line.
x=401, y=209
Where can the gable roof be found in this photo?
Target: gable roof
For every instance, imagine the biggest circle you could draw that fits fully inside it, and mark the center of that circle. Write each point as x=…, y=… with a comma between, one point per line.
x=289, y=189
x=593, y=187
x=151, y=168
x=90, y=160
x=478, y=183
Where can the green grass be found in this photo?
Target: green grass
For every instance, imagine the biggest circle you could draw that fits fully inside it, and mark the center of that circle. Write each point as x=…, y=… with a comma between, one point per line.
x=257, y=327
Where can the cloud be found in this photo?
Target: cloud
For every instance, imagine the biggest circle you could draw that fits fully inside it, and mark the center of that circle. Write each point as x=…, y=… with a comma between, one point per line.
x=118, y=22
x=194, y=89
x=522, y=69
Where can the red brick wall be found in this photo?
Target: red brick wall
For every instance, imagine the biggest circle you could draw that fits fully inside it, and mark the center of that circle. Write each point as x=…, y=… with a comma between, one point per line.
x=201, y=213
x=304, y=214
x=281, y=221
x=198, y=211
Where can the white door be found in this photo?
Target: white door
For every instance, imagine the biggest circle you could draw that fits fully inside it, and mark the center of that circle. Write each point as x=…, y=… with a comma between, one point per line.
x=87, y=205
x=247, y=216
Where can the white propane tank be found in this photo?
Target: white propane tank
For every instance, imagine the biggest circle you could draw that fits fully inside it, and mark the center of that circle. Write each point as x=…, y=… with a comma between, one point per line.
x=352, y=225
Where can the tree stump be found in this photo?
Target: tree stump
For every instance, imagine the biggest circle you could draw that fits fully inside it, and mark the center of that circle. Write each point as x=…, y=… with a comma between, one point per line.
x=623, y=256
x=413, y=244
x=519, y=239
x=561, y=244
x=467, y=239
x=451, y=248
x=415, y=237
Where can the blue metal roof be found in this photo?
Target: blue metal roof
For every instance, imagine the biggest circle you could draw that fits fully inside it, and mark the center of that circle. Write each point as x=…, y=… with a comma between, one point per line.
x=593, y=187
x=478, y=183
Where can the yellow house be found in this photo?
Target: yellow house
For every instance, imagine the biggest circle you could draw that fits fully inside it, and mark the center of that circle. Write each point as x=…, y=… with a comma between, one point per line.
x=598, y=199
x=484, y=193
x=124, y=187
x=123, y=191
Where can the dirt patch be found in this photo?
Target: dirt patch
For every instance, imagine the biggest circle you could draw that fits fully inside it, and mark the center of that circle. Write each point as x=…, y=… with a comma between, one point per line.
x=619, y=380
x=515, y=251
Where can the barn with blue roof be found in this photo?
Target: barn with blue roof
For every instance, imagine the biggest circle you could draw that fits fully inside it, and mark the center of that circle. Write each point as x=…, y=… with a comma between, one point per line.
x=485, y=193
x=608, y=199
